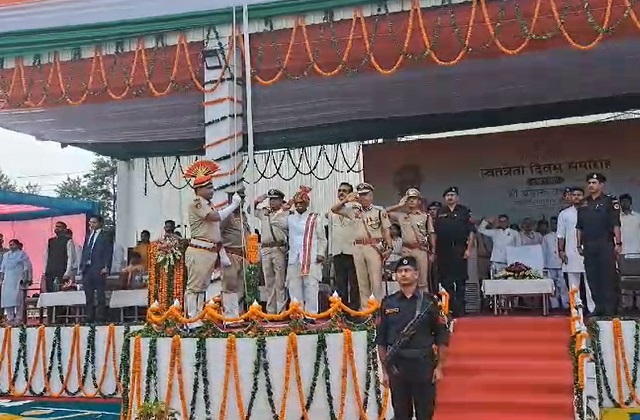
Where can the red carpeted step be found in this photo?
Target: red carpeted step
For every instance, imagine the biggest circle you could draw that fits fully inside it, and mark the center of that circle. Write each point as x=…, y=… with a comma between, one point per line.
x=507, y=368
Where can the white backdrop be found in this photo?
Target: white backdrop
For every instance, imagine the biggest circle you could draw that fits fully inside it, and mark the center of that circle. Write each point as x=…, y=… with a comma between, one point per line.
x=146, y=198
x=540, y=164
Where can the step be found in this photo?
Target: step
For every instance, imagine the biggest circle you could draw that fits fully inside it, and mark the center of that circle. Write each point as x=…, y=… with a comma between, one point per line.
x=511, y=386
x=549, y=335
x=466, y=366
x=513, y=323
x=511, y=350
x=495, y=403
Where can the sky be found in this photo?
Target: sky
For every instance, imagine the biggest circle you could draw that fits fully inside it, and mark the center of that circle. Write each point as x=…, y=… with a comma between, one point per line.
x=25, y=159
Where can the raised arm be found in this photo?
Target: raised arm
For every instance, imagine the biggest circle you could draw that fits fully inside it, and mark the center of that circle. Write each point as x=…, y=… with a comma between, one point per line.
x=339, y=207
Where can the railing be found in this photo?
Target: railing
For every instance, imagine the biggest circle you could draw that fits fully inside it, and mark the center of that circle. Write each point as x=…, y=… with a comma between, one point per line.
x=580, y=353
x=211, y=312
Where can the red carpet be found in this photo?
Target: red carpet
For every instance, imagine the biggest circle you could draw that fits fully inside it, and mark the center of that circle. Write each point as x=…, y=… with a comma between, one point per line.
x=507, y=368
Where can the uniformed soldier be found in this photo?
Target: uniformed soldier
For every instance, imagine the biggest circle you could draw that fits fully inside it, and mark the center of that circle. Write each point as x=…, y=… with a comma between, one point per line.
x=203, y=253
x=234, y=231
x=372, y=243
x=455, y=237
x=598, y=226
x=416, y=229
x=409, y=326
x=273, y=249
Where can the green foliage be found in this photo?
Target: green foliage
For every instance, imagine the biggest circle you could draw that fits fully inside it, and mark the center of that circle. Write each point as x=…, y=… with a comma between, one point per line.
x=7, y=184
x=156, y=410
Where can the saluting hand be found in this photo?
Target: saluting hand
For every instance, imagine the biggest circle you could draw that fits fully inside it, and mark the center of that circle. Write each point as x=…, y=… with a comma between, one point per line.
x=351, y=197
x=403, y=201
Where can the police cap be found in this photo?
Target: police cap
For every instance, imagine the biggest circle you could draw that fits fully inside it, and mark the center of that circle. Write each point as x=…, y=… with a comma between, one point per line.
x=407, y=262
x=364, y=188
x=412, y=192
x=436, y=204
x=597, y=176
x=275, y=193
x=454, y=190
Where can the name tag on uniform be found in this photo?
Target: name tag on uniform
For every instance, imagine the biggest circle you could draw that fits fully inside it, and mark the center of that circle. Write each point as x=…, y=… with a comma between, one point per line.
x=391, y=311
x=442, y=215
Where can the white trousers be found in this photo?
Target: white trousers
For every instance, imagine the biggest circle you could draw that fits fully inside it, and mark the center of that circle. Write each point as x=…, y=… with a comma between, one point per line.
x=560, y=296
x=574, y=281
x=305, y=288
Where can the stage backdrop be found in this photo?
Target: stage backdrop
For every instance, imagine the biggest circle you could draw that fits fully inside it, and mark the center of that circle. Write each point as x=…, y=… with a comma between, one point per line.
x=35, y=233
x=518, y=173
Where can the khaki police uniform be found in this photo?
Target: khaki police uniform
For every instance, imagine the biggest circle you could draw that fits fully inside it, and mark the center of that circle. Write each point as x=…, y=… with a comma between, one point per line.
x=273, y=252
x=234, y=230
x=201, y=255
x=368, y=246
x=415, y=229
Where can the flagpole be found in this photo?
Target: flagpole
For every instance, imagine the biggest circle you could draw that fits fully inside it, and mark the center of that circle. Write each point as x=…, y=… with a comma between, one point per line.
x=249, y=109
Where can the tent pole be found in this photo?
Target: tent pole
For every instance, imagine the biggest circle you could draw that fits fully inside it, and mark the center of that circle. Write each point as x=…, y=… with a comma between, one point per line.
x=249, y=109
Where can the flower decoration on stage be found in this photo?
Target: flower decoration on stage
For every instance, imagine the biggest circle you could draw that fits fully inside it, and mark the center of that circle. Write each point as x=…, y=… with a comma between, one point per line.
x=518, y=271
x=169, y=251
x=201, y=172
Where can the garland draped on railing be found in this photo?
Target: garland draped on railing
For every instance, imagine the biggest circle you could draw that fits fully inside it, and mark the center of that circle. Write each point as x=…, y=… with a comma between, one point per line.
x=36, y=83
x=166, y=278
x=135, y=393
x=47, y=363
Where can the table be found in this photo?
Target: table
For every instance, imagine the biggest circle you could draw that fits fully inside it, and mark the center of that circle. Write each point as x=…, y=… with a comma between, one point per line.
x=67, y=299
x=516, y=287
x=121, y=299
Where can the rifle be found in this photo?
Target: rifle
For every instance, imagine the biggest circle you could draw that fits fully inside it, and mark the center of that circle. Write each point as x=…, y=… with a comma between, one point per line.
x=405, y=335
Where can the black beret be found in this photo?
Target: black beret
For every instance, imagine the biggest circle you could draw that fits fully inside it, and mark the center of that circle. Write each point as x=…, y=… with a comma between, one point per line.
x=454, y=190
x=406, y=262
x=598, y=176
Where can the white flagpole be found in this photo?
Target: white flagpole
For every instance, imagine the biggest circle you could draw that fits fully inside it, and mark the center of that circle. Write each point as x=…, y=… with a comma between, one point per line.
x=249, y=110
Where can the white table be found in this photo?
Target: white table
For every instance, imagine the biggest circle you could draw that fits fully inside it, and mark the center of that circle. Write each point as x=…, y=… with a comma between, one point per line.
x=121, y=299
x=66, y=299
x=515, y=287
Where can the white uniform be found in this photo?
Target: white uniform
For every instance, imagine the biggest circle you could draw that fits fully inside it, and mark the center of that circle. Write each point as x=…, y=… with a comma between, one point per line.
x=553, y=265
x=575, y=262
x=307, y=240
x=502, y=239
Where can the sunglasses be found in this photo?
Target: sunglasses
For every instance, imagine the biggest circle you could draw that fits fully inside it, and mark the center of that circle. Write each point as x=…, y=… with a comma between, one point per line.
x=344, y=190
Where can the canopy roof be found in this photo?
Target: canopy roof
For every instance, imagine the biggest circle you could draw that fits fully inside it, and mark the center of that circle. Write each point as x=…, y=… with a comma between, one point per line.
x=20, y=206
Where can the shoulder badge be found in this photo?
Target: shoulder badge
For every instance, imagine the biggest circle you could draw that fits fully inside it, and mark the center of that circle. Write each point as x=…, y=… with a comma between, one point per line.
x=391, y=311
x=616, y=205
x=198, y=204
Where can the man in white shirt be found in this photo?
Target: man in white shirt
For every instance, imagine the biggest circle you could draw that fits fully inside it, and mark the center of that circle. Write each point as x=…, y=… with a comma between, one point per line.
x=307, y=248
x=572, y=261
x=553, y=265
x=502, y=236
x=630, y=232
x=528, y=236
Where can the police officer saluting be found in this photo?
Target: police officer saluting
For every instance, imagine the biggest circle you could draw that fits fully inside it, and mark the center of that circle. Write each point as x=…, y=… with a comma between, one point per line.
x=598, y=227
x=409, y=324
x=455, y=238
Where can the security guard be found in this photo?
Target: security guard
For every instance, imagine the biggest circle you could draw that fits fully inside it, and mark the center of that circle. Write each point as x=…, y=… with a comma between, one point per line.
x=409, y=325
x=273, y=248
x=455, y=237
x=205, y=248
x=372, y=245
x=416, y=228
x=598, y=224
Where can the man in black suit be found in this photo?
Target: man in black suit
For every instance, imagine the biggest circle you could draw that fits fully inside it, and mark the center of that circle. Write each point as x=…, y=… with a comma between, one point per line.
x=97, y=254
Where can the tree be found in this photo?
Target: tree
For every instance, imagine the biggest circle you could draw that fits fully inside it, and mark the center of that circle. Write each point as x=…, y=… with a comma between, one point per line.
x=73, y=188
x=30, y=188
x=7, y=183
x=97, y=185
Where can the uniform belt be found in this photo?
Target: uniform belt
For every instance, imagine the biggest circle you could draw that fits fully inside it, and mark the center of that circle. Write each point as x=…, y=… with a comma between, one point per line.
x=213, y=248
x=415, y=353
x=367, y=241
x=414, y=245
x=274, y=244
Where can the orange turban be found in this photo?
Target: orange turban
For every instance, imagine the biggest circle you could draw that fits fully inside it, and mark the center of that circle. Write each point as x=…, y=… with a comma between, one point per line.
x=303, y=194
x=201, y=172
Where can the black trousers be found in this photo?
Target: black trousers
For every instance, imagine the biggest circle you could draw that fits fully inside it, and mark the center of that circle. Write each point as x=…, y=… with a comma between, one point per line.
x=434, y=279
x=600, y=269
x=452, y=270
x=413, y=392
x=346, y=280
x=94, y=285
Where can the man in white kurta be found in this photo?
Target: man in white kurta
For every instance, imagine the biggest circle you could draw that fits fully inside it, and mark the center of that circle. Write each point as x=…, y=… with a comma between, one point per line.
x=553, y=265
x=630, y=232
x=307, y=248
x=573, y=262
x=502, y=236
